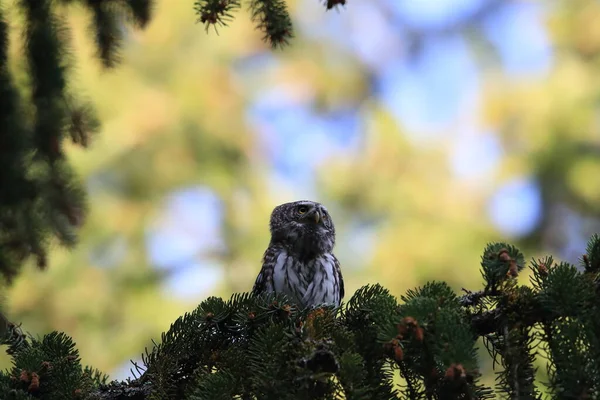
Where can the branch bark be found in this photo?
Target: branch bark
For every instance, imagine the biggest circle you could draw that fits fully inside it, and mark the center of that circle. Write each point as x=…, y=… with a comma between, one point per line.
x=127, y=390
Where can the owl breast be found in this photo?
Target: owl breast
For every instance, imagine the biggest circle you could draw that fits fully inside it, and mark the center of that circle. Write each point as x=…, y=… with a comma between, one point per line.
x=307, y=282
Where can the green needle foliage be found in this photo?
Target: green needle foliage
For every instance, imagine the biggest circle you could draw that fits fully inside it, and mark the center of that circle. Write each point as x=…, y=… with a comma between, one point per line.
x=266, y=348
x=41, y=199
x=270, y=16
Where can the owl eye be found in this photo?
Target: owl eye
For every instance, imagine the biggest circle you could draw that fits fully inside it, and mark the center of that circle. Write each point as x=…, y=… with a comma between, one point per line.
x=302, y=210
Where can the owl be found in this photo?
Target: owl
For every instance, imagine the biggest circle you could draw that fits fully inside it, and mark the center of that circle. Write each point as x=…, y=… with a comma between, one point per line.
x=299, y=261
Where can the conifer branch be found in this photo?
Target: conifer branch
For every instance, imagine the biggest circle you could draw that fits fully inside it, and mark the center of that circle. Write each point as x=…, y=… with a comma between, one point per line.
x=215, y=12
x=41, y=198
x=141, y=11
x=108, y=36
x=264, y=346
x=434, y=357
x=273, y=19
x=128, y=390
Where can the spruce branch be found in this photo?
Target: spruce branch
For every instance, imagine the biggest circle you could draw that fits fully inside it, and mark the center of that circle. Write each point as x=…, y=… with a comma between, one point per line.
x=215, y=12
x=141, y=11
x=18, y=190
x=45, y=36
x=107, y=32
x=270, y=16
x=471, y=299
x=265, y=347
x=591, y=260
x=127, y=390
x=82, y=121
x=11, y=335
x=273, y=19
x=41, y=198
x=500, y=262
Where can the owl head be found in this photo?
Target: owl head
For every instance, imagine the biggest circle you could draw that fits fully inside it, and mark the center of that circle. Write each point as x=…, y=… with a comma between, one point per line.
x=303, y=227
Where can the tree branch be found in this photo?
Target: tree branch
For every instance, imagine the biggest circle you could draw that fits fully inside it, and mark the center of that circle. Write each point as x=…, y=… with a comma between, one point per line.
x=127, y=390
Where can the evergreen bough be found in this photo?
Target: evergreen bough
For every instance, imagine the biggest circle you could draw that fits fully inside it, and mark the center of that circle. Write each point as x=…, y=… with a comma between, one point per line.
x=265, y=348
x=41, y=199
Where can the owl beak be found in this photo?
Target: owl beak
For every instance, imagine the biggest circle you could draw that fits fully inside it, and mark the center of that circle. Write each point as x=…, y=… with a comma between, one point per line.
x=317, y=217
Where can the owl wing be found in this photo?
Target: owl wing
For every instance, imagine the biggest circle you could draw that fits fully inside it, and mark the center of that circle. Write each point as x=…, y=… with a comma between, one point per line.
x=338, y=276
x=264, y=280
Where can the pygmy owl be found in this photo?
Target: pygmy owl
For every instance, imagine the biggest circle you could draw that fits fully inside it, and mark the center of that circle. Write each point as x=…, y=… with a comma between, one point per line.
x=299, y=261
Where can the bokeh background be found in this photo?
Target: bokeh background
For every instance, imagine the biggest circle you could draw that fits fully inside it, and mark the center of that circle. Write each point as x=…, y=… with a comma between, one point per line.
x=428, y=128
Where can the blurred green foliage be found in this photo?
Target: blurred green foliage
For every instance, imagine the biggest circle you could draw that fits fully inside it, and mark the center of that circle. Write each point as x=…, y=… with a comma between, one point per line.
x=173, y=115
